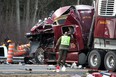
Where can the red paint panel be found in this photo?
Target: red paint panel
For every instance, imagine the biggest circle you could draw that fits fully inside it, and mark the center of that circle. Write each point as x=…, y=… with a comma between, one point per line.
x=105, y=28
x=99, y=28
x=79, y=38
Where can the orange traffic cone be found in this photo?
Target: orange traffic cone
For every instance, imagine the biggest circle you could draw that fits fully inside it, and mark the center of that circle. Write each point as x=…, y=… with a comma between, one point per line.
x=19, y=48
x=57, y=68
x=21, y=51
x=10, y=53
x=27, y=45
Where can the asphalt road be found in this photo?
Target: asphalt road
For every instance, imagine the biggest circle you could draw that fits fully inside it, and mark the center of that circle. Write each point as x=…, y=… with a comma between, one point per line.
x=38, y=69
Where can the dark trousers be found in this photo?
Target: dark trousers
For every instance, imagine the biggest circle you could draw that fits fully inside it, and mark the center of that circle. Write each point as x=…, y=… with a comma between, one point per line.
x=62, y=56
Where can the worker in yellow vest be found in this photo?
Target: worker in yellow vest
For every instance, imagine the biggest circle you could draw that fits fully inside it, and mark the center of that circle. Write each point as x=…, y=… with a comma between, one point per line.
x=63, y=44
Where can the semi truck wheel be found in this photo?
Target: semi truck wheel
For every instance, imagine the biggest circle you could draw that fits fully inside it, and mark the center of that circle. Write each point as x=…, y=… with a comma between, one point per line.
x=39, y=56
x=95, y=59
x=110, y=61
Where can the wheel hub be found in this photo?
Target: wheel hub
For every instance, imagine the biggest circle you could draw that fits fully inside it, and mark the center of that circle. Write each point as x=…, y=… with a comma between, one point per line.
x=94, y=60
x=110, y=62
x=41, y=58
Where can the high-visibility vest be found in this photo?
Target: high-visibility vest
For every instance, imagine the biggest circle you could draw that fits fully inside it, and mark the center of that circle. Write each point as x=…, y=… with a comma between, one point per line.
x=65, y=40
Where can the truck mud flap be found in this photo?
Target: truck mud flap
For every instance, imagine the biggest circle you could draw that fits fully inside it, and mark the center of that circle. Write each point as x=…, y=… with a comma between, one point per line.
x=34, y=46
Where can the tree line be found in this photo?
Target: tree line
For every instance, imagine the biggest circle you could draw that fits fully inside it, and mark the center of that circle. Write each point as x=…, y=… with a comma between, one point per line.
x=17, y=17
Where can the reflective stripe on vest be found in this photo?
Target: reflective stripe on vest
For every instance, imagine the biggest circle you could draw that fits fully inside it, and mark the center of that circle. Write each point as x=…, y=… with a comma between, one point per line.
x=65, y=40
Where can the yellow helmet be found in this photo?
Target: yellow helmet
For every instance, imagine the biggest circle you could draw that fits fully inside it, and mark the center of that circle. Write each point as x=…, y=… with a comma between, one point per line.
x=9, y=41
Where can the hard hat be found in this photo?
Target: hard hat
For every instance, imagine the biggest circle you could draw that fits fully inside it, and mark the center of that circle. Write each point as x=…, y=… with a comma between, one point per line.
x=9, y=41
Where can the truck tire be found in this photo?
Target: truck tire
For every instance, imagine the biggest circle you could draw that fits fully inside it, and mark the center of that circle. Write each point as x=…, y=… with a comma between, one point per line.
x=95, y=59
x=39, y=56
x=110, y=61
x=82, y=58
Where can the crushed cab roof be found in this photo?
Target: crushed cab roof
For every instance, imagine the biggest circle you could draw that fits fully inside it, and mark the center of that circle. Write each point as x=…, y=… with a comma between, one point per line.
x=60, y=11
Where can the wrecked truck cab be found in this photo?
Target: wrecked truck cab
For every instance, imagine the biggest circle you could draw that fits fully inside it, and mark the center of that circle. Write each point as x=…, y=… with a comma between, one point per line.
x=41, y=38
x=45, y=35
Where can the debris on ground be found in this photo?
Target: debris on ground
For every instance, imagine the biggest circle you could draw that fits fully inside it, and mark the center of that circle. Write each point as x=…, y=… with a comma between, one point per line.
x=34, y=75
x=76, y=75
x=63, y=68
x=74, y=65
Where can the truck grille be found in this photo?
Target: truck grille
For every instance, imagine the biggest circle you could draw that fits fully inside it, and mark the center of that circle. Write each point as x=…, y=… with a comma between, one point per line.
x=107, y=7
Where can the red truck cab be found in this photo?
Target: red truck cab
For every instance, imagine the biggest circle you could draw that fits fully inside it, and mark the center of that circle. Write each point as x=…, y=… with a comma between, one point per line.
x=76, y=19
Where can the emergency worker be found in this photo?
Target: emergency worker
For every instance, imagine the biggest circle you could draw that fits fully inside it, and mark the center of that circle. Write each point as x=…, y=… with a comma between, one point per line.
x=6, y=43
x=63, y=45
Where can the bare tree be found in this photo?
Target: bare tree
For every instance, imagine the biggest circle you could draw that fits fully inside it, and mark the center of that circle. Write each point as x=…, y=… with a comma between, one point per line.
x=41, y=11
x=43, y=7
x=35, y=11
x=27, y=14
x=18, y=18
